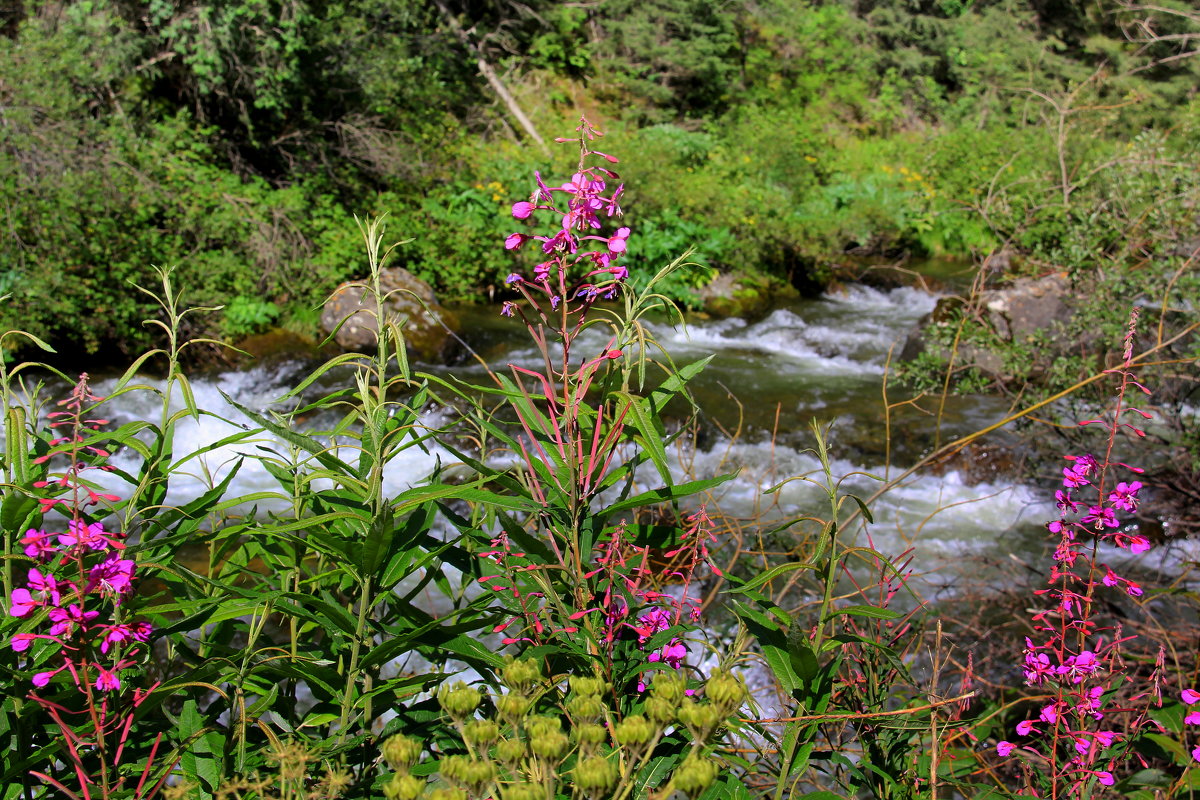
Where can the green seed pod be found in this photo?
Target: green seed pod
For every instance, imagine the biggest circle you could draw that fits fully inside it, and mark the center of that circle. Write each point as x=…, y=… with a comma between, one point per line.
x=670, y=686
x=478, y=774
x=459, y=700
x=404, y=787
x=584, y=685
x=401, y=752
x=585, y=706
x=551, y=745
x=542, y=726
x=453, y=767
x=513, y=707
x=726, y=690
x=633, y=731
x=510, y=751
x=700, y=718
x=588, y=733
x=481, y=732
x=661, y=710
x=595, y=774
x=522, y=791
x=520, y=675
x=446, y=793
x=695, y=775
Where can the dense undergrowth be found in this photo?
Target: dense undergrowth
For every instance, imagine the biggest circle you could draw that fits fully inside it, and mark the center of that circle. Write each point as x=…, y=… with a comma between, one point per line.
x=530, y=621
x=236, y=140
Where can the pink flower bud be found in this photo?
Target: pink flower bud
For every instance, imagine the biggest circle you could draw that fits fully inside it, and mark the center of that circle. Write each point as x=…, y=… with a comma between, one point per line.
x=522, y=210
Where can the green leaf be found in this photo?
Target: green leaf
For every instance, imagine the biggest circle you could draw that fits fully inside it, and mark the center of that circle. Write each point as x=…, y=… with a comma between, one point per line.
x=668, y=493
x=770, y=575
x=873, y=612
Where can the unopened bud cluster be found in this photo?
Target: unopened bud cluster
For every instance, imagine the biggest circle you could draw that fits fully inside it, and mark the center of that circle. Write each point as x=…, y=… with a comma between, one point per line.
x=538, y=738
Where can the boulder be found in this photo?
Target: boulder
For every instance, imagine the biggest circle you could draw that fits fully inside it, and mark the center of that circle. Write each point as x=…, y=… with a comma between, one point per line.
x=735, y=294
x=1015, y=313
x=409, y=301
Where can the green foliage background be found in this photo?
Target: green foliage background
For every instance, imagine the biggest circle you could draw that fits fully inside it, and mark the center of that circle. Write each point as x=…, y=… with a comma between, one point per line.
x=236, y=139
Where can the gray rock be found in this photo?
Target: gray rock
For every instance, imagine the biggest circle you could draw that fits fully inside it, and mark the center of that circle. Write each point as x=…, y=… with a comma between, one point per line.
x=409, y=301
x=1014, y=313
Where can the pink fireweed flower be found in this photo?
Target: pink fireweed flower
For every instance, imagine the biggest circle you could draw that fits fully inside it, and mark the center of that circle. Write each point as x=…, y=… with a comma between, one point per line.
x=66, y=619
x=1124, y=496
x=22, y=603
x=672, y=655
x=42, y=679
x=1025, y=727
x=1190, y=696
x=515, y=240
x=1193, y=718
x=522, y=210
x=1065, y=503
x=113, y=576
x=20, y=641
x=1103, y=515
x=618, y=242
x=90, y=535
x=1004, y=749
x=1072, y=479
x=39, y=545
x=1196, y=753
x=107, y=681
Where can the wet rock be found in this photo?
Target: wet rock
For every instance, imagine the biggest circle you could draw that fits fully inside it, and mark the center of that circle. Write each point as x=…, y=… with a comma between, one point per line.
x=409, y=301
x=735, y=294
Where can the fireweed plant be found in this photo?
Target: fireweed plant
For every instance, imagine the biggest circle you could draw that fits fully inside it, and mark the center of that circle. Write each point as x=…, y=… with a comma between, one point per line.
x=1090, y=713
x=77, y=638
x=579, y=579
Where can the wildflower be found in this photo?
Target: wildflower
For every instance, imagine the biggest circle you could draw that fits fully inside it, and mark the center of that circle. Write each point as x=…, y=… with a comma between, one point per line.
x=22, y=603
x=1190, y=696
x=1192, y=718
x=38, y=545
x=522, y=210
x=1004, y=749
x=618, y=242
x=513, y=278
x=1124, y=496
x=106, y=680
x=514, y=241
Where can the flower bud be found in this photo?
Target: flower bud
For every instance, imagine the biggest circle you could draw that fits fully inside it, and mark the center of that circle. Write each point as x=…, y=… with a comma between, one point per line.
x=510, y=751
x=513, y=706
x=583, y=685
x=695, y=775
x=522, y=674
x=588, y=733
x=459, y=700
x=403, y=787
x=633, y=731
x=595, y=774
x=585, y=707
x=727, y=691
x=446, y=793
x=481, y=732
x=401, y=752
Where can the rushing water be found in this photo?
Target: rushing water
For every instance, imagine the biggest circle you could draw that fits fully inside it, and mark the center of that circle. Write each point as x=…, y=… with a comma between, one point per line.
x=822, y=359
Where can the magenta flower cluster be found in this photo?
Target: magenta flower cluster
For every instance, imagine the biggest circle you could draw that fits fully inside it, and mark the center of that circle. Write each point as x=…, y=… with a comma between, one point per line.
x=626, y=593
x=1074, y=662
x=578, y=204
x=78, y=571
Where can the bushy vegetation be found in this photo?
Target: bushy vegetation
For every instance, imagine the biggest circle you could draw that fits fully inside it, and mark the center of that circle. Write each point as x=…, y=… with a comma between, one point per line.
x=236, y=139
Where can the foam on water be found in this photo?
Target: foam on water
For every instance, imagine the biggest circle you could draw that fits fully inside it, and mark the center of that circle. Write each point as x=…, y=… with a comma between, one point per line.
x=255, y=388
